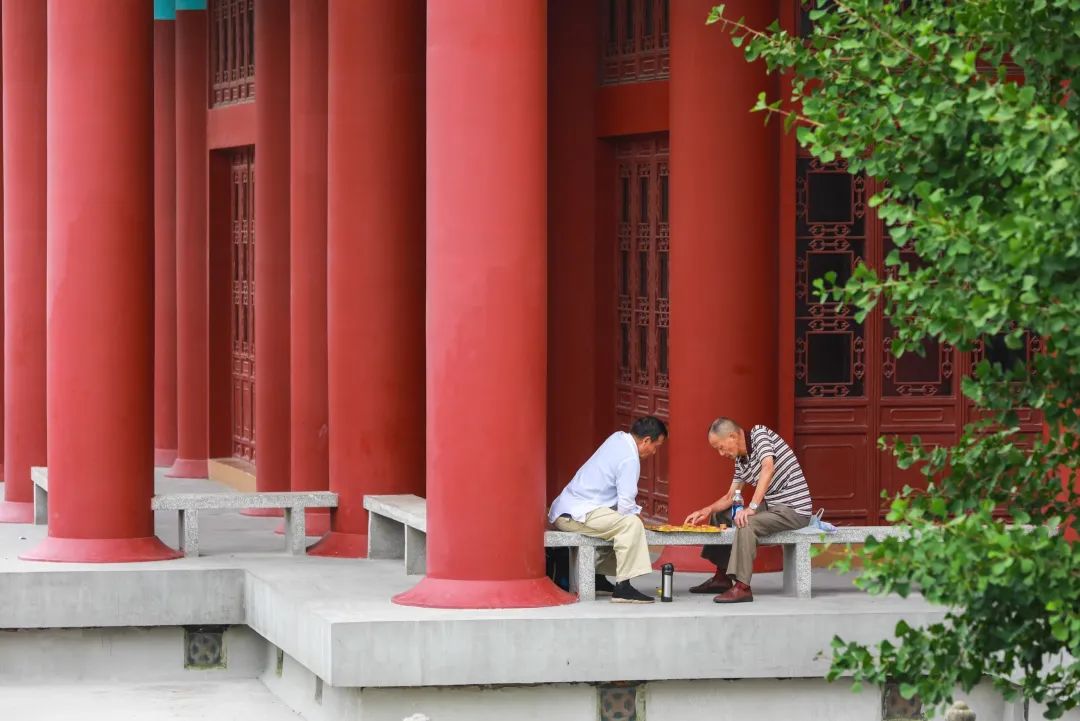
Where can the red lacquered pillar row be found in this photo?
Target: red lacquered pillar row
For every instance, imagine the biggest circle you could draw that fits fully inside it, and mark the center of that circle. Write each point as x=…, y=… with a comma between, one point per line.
x=272, y=257
x=307, y=93
x=164, y=234
x=487, y=306
x=192, y=251
x=24, y=61
x=375, y=274
x=723, y=253
x=100, y=283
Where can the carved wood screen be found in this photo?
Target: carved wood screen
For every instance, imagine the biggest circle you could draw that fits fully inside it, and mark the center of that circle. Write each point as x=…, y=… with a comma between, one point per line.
x=242, y=209
x=634, y=46
x=849, y=387
x=643, y=290
x=232, y=51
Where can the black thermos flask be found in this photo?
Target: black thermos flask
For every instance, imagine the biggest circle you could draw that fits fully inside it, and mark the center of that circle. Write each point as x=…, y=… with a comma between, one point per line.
x=668, y=580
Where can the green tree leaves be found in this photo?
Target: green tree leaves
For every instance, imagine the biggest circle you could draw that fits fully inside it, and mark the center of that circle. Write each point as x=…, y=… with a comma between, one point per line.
x=968, y=112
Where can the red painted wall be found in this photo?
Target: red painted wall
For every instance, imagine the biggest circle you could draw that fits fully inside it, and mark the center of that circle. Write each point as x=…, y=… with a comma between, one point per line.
x=230, y=126
x=220, y=306
x=572, y=337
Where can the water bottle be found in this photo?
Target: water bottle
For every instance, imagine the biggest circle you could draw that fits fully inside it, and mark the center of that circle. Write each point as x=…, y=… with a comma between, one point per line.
x=736, y=505
x=667, y=582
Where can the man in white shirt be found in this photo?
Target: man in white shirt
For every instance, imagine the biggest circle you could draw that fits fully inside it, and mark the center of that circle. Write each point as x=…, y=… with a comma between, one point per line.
x=601, y=501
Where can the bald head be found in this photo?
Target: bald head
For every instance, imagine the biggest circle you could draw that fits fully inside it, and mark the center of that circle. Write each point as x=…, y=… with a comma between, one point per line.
x=723, y=427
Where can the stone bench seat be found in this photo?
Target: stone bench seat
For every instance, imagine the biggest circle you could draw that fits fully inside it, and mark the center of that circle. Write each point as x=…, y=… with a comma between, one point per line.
x=398, y=529
x=293, y=503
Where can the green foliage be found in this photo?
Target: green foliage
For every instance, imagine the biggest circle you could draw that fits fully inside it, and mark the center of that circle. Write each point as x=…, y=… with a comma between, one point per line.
x=982, y=180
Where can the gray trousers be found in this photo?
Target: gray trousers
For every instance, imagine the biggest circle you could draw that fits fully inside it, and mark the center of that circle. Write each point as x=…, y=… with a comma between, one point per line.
x=738, y=558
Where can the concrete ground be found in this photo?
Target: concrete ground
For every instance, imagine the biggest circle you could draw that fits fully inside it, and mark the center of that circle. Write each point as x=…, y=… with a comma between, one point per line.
x=240, y=700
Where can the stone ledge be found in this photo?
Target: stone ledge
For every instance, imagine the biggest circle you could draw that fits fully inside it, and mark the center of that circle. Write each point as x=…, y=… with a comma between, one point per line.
x=404, y=508
x=208, y=501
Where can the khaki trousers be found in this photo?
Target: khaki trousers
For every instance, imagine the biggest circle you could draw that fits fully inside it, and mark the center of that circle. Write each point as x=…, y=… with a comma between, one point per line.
x=738, y=558
x=627, y=534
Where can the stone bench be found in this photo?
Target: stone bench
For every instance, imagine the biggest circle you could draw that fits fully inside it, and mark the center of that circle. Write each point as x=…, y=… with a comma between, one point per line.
x=40, y=476
x=397, y=528
x=188, y=505
x=293, y=503
x=795, y=544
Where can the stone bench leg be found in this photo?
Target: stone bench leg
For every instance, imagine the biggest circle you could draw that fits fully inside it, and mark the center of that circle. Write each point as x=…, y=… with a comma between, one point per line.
x=583, y=572
x=797, y=570
x=415, y=552
x=189, y=532
x=386, y=537
x=41, y=506
x=296, y=531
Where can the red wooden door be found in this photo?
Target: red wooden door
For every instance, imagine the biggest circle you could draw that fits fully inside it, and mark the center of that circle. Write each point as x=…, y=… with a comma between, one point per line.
x=242, y=209
x=642, y=302
x=850, y=389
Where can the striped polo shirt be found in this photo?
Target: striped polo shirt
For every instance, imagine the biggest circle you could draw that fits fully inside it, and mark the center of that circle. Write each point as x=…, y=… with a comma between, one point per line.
x=788, y=486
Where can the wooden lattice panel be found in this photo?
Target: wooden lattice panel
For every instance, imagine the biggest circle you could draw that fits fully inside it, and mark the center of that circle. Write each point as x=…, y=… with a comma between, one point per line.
x=634, y=46
x=232, y=51
x=642, y=286
x=242, y=210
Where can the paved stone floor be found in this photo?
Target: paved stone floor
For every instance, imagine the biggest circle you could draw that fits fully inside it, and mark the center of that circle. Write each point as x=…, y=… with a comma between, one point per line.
x=242, y=700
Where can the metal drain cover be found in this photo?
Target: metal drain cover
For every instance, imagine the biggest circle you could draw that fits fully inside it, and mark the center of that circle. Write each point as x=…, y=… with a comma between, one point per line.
x=204, y=647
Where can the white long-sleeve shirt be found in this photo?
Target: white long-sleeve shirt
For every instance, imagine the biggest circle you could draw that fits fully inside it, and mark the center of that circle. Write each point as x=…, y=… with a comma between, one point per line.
x=609, y=479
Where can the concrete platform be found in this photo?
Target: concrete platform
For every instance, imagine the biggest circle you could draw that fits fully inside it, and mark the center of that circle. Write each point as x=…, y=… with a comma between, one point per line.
x=335, y=617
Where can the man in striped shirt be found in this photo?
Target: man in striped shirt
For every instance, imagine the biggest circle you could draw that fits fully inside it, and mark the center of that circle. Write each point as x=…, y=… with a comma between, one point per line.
x=781, y=502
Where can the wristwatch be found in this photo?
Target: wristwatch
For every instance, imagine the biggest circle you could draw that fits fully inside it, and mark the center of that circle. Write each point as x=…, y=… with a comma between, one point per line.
x=753, y=506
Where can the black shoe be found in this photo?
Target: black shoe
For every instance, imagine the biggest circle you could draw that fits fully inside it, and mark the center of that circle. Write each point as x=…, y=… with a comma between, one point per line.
x=625, y=593
x=603, y=585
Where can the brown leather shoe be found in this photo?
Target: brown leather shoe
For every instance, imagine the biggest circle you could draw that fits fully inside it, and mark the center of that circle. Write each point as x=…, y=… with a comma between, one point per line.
x=739, y=593
x=717, y=584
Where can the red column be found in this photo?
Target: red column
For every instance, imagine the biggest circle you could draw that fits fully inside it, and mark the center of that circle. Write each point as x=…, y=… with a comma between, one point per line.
x=1, y=282
x=307, y=94
x=487, y=306
x=24, y=250
x=192, y=262
x=375, y=275
x=164, y=242
x=100, y=283
x=272, y=256
x=723, y=250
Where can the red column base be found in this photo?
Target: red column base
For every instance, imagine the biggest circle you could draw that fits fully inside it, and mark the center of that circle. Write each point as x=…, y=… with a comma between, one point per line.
x=16, y=512
x=338, y=544
x=101, y=550
x=453, y=593
x=188, y=468
x=318, y=523
x=164, y=456
x=262, y=512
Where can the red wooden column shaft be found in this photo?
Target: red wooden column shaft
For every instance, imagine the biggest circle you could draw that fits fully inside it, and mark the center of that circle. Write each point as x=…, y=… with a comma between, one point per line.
x=375, y=274
x=272, y=255
x=24, y=61
x=164, y=242
x=487, y=306
x=100, y=283
x=192, y=261
x=724, y=246
x=307, y=93
x=1, y=282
